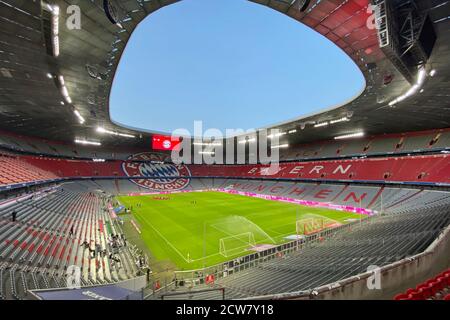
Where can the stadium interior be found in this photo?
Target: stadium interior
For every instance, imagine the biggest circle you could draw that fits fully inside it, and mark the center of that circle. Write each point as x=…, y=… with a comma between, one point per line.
x=383, y=157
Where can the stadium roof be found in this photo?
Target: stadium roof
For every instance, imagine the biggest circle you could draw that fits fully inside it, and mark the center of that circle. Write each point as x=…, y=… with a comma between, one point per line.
x=65, y=95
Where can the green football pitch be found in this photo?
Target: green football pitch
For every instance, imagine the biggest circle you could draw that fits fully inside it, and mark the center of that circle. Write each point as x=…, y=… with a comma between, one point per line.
x=205, y=228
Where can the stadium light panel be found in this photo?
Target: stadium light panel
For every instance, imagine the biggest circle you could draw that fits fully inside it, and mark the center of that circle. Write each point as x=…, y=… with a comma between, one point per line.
x=433, y=73
x=56, y=46
x=118, y=134
x=292, y=131
x=65, y=92
x=55, y=29
x=339, y=120
x=125, y=135
x=421, y=77
x=280, y=146
x=87, y=142
x=49, y=75
x=321, y=124
x=413, y=90
x=79, y=116
x=208, y=144
x=351, y=135
x=103, y=130
x=279, y=134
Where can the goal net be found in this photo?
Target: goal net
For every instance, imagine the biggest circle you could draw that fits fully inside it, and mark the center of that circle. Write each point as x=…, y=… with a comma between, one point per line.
x=314, y=224
x=236, y=244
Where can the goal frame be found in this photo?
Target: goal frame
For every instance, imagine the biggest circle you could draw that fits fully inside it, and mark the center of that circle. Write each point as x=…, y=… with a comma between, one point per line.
x=248, y=243
x=309, y=226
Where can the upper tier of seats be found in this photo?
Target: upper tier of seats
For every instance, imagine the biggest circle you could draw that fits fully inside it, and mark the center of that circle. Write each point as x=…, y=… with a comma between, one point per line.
x=416, y=169
x=16, y=170
x=385, y=144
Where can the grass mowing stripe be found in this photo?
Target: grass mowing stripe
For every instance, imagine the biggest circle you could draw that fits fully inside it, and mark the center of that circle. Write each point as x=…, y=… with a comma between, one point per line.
x=167, y=241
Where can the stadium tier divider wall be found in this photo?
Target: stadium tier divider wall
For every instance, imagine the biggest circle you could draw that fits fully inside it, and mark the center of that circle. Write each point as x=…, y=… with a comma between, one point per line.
x=393, y=184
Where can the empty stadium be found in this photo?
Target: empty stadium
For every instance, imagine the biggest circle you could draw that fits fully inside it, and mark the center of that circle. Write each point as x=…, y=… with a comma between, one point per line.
x=357, y=207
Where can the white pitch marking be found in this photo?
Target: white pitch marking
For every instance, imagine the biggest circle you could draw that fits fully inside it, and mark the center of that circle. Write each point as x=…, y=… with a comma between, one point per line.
x=167, y=241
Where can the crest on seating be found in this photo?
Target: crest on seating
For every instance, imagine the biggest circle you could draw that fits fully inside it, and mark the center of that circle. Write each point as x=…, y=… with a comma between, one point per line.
x=157, y=174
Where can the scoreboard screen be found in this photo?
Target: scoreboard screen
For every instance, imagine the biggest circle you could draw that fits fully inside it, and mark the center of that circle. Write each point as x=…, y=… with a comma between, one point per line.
x=160, y=142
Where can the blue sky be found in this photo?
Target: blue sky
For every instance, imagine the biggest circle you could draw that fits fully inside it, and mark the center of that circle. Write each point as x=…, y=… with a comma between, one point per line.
x=230, y=63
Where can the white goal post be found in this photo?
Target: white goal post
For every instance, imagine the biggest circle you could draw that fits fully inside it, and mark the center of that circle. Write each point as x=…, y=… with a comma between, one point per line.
x=236, y=244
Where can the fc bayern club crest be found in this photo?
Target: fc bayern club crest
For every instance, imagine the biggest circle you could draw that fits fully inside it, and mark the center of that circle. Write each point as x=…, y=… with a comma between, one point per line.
x=154, y=168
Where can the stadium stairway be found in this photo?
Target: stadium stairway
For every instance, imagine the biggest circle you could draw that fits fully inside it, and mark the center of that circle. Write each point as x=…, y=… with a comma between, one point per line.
x=14, y=170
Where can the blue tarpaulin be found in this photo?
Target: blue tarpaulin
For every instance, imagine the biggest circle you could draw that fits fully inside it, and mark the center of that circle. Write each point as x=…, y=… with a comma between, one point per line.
x=108, y=292
x=118, y=209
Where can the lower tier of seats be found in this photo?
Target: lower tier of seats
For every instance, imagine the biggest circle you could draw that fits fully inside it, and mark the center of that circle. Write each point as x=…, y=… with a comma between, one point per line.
x=43, y=238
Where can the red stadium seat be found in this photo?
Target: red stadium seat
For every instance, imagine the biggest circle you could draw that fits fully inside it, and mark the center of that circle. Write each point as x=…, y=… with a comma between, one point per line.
x=444, y=274
x=447, y=278
x=441, y=283
x=407, y=169
x=401, y=296
x=417, y=295
x=410, y=290
x=426, y=290
x=434, y=287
